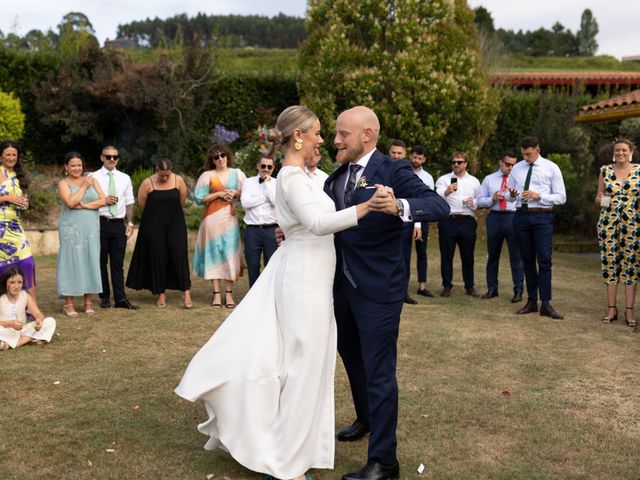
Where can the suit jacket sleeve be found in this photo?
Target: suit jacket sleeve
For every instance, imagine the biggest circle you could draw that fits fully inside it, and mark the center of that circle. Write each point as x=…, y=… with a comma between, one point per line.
x=425, y=204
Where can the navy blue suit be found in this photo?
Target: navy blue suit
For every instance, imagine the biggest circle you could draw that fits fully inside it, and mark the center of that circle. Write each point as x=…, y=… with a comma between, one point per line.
x=368, y=301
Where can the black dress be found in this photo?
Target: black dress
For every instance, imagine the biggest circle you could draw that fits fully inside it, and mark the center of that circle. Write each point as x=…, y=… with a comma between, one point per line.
x=160, y=258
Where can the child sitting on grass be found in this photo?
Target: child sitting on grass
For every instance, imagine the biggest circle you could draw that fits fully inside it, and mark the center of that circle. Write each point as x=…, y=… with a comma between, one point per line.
x=14, y=301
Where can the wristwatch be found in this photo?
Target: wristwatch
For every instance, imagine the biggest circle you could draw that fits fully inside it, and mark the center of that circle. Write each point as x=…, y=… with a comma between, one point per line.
x=400, y=206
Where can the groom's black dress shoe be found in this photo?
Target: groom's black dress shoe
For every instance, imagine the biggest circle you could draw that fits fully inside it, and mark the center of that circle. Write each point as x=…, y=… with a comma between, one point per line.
x=355, y=432
x=517, y=297
x=410, y=300
x=105, y=303
x=375, y=471
x=490, y=294
x=126, y=304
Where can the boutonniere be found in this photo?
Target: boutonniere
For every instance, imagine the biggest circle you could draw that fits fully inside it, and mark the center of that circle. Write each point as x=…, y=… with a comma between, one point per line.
x=362, y=183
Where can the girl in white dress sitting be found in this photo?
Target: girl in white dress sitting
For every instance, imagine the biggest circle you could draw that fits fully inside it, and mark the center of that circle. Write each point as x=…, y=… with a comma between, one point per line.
x=14, y=301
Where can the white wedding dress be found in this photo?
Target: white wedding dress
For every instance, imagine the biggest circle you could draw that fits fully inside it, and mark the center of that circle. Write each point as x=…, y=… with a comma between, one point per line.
x=267, y=374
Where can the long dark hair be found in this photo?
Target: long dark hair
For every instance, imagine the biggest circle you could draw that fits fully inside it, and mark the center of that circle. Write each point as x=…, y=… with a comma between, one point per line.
x=6, y=275
x=19, y=169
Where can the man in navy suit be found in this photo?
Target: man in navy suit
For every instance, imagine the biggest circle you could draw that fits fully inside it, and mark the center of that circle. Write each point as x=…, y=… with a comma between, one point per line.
x=370, y=281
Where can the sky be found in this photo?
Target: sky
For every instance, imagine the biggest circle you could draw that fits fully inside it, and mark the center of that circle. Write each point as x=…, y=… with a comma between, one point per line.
x=619, y=34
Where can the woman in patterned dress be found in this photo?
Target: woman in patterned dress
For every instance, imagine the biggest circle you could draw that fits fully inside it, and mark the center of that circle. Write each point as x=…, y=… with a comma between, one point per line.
x=14, y=247
x=619, y=228
x=217, y=254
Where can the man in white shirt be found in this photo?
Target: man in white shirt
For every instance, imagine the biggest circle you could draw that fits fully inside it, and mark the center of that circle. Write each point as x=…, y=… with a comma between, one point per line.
x=116, y=226
x=258, y=199
x=494, y=194
x=539, y=187
x=421, y=230
x=313, y=172
x=460, y=189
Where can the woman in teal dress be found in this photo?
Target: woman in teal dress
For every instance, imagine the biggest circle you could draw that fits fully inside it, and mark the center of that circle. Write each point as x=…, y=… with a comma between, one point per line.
x=78, y=266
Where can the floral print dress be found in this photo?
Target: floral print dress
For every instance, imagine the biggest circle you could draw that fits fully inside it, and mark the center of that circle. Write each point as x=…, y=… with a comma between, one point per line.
x=619, y=227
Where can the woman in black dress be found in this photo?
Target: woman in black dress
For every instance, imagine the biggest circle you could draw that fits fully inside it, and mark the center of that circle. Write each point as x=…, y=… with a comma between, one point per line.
x=160, y=259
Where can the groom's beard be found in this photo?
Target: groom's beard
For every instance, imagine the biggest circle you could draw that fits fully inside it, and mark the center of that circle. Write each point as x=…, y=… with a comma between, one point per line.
x=350, y=154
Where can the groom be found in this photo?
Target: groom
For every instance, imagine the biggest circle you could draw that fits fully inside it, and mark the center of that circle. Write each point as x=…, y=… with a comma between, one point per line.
x=370, y=285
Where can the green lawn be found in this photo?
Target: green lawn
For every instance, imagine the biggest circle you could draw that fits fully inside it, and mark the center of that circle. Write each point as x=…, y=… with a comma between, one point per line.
x=572, y=412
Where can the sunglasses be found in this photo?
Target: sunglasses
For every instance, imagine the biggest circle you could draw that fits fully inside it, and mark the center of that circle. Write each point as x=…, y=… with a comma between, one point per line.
x=113, y=158
x=268, y=167
x=218, y=156
x=458, y=162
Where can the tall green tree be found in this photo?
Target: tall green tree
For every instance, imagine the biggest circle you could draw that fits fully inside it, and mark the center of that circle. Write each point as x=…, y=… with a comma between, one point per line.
x=586, y=36
x=415, y=63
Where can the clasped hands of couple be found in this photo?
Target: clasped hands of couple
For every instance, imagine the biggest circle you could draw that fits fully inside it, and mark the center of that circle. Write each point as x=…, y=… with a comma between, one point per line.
x=383, y=200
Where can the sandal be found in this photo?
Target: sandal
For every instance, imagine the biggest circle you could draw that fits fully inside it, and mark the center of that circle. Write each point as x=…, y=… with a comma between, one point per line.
x=69, y=310
x=230, y=305
x=188, y=305
x=632, y=322
x=609, y=319
x=3, y=346
x=88, y=308
x=215, y=305
x=160, y=304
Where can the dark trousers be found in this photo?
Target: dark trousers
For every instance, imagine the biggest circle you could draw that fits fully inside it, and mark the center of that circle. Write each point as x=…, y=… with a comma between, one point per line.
x=534, y=232
x=367, y=336
x=460, y=231
x=421, y=250
x=113, y=243
x=258, y=242
x=499, y=229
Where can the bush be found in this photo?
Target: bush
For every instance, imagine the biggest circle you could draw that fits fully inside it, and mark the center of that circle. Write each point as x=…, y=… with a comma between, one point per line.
x=11, y=117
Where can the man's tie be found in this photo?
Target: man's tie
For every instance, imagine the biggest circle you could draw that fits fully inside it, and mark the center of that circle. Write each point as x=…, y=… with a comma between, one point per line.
x=113, y=209
x=503, y=189
x=525, y=203
x=354, y=168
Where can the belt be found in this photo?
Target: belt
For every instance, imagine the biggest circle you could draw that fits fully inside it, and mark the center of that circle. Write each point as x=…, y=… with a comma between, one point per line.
x=112, y=220
x=458, y=216
x=536, y=210
x=264, y=227
x=502, y=212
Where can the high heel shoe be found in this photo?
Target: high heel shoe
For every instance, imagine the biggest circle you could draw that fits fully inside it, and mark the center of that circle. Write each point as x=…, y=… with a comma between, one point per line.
x=188, y=305
x=609, y=319
x=215, y=305
x=69, y=310
x=632, y=322
x=88, y=308
x=230, y=305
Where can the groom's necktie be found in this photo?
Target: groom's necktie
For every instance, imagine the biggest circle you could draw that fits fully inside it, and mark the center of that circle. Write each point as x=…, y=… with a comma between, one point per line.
x=354, y=168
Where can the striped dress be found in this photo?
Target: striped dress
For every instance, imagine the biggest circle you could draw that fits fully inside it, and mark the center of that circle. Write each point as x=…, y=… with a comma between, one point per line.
x=218, y=249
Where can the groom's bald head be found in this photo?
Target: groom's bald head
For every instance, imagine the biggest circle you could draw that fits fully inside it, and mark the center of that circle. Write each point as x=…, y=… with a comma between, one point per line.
x=357, y=132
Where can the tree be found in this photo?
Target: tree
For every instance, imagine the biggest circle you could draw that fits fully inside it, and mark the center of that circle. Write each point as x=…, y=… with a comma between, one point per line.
x=484, y=20
x=75, y=22
x=11, y=117
x=586, y=36
x=415, y=63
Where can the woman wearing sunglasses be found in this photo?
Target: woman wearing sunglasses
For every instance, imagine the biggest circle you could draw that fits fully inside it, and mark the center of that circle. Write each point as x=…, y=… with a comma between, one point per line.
x=217, y=253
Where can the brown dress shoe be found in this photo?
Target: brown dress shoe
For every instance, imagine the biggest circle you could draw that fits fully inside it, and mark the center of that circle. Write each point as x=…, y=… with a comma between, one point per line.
x=529, y=307
x=546, y=310
x=446, y=292
x=472, y=291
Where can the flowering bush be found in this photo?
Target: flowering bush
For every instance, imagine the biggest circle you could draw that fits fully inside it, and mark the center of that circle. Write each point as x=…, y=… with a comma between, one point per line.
x=257, y=147
x=219, y=134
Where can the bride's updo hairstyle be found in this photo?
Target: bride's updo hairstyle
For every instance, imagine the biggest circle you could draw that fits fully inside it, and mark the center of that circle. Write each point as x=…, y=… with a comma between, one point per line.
x=291, y=118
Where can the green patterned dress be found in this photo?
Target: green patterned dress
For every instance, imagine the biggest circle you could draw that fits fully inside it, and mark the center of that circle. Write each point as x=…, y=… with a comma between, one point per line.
x=619, y=227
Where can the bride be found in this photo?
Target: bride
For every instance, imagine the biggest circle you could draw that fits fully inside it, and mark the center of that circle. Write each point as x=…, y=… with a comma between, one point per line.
x=266, y=376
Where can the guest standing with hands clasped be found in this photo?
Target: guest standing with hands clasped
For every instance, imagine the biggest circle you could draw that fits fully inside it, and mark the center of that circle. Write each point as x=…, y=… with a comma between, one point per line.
x=14, y=246
x=160, y=259
x=78, y=263
x=619, y=229
x=267, y=374
x=217, y=255
x=116, y=226
x=539, y=187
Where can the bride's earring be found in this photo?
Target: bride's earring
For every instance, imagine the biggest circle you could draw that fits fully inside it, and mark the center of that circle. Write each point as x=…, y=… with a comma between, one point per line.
x=298, y=144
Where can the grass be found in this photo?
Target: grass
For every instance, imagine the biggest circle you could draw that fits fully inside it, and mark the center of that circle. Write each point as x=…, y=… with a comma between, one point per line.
x=572, y=412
